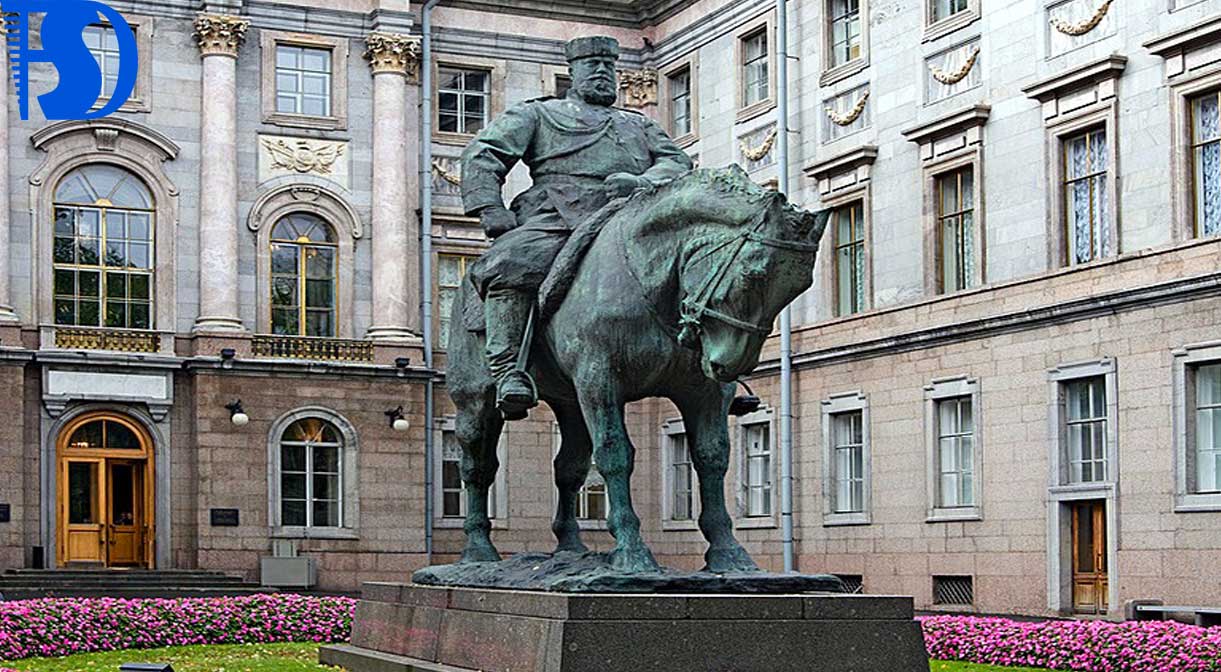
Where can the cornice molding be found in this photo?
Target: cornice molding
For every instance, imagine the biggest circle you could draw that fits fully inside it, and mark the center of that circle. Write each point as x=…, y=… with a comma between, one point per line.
x=1203, y=32
x=843, y=163
x=954, y=122
x=1110, y=67
x=620, y=13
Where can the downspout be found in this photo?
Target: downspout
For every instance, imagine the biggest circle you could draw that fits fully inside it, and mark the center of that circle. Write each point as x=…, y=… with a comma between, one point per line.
x=426, y=265
x=786, y=316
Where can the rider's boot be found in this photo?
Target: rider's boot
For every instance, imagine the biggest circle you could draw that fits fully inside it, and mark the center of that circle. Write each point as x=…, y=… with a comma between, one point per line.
x=506, y=313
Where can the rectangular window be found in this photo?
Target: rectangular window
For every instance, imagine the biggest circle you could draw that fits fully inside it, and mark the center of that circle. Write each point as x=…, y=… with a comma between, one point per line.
x=758, y=455
x=848, y=489
x=303, y=80
x=845, y=20
x=310, y=484
x=451, y=270
x=1206, y=162
x=755, y=68
x=103, y=267
x=680, y=103
x=944, y=9
x=681, y=478
x=849, y=226
x=955, y=453
x=1086, y=429
x=453, y=490
x=463, y=100
x=956, y=228
x=563, y=84
x=1086, y=207
x=1208, y=429
x=591, y=501
x=103, y=44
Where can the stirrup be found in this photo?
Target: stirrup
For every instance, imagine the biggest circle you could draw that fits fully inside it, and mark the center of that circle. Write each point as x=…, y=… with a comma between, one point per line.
x=516, y=407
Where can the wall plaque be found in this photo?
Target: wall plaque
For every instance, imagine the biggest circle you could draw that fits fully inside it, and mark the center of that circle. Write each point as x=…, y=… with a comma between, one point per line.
x=225, y=517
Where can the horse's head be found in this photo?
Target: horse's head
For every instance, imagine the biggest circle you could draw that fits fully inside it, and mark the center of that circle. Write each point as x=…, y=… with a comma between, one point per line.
x=748, y=264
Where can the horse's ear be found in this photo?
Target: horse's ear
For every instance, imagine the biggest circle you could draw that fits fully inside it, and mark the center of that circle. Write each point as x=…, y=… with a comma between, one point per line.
x=813, y=224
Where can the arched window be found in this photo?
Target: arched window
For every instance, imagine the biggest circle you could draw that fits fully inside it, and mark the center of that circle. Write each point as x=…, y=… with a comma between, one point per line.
x=103, y=252
x=311, y=474
x=303, y=260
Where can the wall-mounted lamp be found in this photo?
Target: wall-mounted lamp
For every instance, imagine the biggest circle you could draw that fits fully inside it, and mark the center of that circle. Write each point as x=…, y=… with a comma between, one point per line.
x=236, y=414
x=402, y=362
x=228, y=354
x=398, y=422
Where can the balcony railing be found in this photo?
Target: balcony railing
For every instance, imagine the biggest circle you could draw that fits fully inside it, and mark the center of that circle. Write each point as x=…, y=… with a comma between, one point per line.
x=70, y=338
x=308, y=347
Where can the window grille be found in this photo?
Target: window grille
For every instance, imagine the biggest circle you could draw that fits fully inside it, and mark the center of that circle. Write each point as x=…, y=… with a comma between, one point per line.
x=854, y=584
x=954, y=590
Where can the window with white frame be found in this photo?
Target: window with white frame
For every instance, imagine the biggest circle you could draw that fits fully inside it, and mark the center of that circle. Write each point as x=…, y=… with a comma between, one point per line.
x=952, y=449
x=464, y=97
x=944, y=9
x=311, y=475
x=956, y=228
x=755, y=66
x=846, y=460
x=303, y=80
x=1207, y=454
x=682, y=478
x=452, y=489
x=1085, y=419
x=1086, y=201
x=844, y=19
x=679, y=87
x=103, y=45
x=1206, y=162
x=591, y=500
x=955, y=453
x=848, y=484
x=757, y=481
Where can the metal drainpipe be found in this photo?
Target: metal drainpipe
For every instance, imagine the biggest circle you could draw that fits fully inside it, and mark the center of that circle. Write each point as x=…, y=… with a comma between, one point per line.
x=426, y=264
x=786, y=317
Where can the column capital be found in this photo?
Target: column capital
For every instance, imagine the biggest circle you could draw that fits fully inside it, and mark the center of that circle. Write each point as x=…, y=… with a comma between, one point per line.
x=639, y=87
x=394, y=53
x=220, y=34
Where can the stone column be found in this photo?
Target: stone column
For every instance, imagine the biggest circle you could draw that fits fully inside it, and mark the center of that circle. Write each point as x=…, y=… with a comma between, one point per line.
x=219, y=38
x=395, y=60
x=7, y=315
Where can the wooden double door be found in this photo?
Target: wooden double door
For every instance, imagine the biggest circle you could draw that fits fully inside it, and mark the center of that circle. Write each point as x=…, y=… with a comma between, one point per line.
x=1090, y=567
x=105, y=495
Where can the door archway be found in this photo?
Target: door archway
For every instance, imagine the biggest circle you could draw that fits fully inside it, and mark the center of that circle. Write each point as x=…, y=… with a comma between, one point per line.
x=105, y=500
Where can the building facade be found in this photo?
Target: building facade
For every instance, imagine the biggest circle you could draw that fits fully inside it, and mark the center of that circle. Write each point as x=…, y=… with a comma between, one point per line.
x=1005, y=376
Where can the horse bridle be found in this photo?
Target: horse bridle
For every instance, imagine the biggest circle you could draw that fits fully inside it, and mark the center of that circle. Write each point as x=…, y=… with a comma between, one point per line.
x=695, y=307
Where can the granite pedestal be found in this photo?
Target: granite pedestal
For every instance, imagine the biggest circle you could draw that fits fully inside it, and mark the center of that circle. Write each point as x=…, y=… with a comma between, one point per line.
x=412, y=628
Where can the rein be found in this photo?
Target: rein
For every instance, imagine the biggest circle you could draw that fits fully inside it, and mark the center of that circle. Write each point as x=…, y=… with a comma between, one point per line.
x=695, y=308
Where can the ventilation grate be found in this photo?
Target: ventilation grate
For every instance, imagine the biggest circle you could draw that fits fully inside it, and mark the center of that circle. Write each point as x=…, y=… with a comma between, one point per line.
x=853, y=583
x=954, y=590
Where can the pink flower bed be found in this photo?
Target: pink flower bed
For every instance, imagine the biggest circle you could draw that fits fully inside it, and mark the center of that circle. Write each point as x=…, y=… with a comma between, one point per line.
x=1088, y=646
x=64, y=626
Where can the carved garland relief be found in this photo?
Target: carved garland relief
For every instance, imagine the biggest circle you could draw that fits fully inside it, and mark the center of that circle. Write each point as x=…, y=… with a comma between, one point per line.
x=956, y=76
x=1085, y=26
x=850, y=116
x=758, y=152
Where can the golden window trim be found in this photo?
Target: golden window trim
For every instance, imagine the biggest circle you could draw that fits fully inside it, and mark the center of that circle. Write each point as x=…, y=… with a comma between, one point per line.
x=302, y=278
x=972, y=160
x=337, y=120
x=467, y=256
x=861, y=192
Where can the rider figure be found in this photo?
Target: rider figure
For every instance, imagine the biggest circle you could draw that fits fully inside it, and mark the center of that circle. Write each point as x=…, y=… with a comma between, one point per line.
x=582, y=152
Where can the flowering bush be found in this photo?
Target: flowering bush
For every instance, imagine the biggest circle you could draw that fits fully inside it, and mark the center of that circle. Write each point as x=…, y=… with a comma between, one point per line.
x=1089, y=646
x=64, y=626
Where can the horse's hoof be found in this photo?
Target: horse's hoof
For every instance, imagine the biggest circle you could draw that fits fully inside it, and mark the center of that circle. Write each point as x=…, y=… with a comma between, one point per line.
x=634, y=560
x=571, y=546
x=728, y=560
x=481, y=553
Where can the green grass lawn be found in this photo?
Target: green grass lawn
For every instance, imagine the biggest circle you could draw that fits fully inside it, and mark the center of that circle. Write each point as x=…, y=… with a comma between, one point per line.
x=271, y=658
x=230, y=658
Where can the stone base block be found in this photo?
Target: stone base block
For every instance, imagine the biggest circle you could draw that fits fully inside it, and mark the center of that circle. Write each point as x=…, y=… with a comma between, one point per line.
x=410, y=628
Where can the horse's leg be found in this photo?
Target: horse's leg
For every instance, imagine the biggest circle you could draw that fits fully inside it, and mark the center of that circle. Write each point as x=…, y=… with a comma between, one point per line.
x=571, y=469
x=615, y=455
x=477, y=429
x=705, y=417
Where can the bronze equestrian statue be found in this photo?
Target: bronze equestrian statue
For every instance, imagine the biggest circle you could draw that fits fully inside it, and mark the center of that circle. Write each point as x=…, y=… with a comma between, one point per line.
x=668, y=283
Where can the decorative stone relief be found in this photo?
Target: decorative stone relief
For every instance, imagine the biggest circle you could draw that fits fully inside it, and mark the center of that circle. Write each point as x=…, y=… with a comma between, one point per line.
x=447, y=177
x=1076, y=23
x=394, y=53
x=282, y=155
x=846, y=113
x=638, y=87
x=953, y=71
x=220, y=34
x=757, y=148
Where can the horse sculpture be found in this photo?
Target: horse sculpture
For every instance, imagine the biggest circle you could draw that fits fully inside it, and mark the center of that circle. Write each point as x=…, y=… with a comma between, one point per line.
x=674, y=299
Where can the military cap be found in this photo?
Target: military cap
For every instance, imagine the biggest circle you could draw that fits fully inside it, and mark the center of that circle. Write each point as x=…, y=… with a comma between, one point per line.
x=586, y=47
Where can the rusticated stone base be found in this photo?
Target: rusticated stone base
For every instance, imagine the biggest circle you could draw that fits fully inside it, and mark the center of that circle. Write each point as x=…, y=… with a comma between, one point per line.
x=409, y=628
